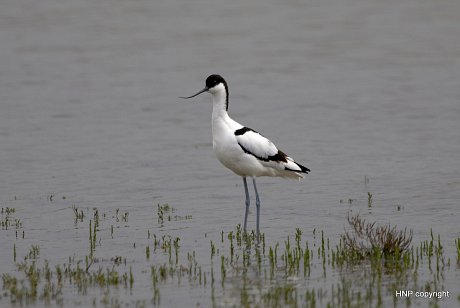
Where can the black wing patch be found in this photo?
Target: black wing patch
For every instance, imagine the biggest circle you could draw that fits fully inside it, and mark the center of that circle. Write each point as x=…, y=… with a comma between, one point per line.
x=243, y=130
x=280, y=156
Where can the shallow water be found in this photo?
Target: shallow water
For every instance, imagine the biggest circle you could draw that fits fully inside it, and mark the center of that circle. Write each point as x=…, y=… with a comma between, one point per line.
x=364, y=93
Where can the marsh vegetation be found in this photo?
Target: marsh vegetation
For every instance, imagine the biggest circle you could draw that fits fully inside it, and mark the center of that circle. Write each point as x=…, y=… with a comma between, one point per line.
x=364, y=266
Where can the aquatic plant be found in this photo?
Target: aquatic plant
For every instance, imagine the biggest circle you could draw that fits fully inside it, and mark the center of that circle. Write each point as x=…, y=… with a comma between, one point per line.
x=367, y=237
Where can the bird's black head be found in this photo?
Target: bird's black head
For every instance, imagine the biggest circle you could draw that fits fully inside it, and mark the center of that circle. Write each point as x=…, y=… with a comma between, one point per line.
x=214, y=80
x=212, y=86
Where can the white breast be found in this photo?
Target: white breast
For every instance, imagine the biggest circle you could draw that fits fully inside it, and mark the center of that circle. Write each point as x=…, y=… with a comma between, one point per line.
x=230, y=153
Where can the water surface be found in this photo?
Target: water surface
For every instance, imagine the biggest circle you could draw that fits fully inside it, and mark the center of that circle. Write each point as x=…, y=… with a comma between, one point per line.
x=364, y=93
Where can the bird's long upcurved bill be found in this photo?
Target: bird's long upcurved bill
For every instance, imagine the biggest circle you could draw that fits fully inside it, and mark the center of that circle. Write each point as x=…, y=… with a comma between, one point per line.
x=204, y=90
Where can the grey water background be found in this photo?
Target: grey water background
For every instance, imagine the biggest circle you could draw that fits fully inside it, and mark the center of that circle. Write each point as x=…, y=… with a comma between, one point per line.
x=366, y=93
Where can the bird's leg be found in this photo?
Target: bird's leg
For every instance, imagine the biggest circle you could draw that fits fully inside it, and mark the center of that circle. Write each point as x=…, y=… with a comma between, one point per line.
x=247, y=203
x=257, y=206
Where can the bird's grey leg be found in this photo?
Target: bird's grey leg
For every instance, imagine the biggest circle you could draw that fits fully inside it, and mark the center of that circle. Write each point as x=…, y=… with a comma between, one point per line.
x=257, y=205
x=247, y=203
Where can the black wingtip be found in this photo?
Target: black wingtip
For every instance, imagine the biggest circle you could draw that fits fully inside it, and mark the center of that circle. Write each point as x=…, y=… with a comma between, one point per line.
x=303, y=168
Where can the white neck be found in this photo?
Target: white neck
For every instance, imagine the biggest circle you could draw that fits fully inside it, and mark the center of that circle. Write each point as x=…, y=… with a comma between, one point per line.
x=219, y=101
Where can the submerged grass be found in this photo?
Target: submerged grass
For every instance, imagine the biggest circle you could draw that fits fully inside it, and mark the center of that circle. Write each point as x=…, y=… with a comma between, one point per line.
x=457, y=246
x=366, y=267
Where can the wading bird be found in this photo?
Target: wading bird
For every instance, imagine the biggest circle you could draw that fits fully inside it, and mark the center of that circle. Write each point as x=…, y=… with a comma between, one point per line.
x=242, y=149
